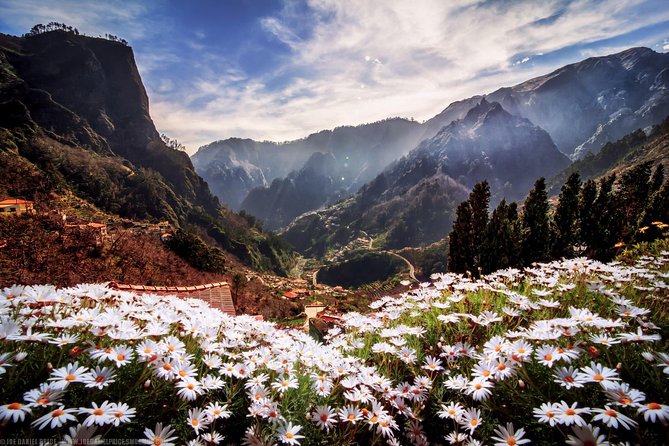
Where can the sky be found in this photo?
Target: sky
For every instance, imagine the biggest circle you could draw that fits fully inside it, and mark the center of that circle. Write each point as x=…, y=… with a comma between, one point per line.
x=282, y=69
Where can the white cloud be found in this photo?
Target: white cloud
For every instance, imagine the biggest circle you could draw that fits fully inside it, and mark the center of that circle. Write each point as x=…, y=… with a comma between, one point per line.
x=413, y=59
x=352, y=61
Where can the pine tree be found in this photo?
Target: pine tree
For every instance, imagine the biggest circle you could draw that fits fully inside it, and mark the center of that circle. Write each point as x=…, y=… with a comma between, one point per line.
x=605, y=210
x=479, y=200
x=499, y=248
x=516, y=226
x=535, y=227
x=634, y=194
x=565, y=219
x=588, y=225
x=460, y=240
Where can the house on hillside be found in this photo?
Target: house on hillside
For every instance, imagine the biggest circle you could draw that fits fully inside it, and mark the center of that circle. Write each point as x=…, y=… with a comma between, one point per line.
x=14, y=206
x=98, y=229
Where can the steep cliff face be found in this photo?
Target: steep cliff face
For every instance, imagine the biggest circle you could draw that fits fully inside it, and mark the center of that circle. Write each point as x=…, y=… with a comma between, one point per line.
x=98, y=83
x=74, y=117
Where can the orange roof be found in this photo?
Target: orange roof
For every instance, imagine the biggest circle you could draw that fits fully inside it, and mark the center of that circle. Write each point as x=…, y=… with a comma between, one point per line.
x=96, y=225
x=15, y=201
x=290, y=295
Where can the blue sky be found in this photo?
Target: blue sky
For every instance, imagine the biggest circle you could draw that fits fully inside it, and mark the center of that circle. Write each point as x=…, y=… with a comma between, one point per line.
x=281, y=69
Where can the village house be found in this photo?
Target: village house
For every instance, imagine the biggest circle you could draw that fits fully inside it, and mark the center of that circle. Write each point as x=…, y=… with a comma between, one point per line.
x=13, y=206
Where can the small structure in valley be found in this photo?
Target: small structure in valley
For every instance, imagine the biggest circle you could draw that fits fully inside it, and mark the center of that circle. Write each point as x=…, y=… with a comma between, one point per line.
x=311, y=310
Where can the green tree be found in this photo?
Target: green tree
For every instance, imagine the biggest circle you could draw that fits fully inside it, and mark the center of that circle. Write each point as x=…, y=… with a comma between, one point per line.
x=535, y=226
x=634, y=191
x=479, y=201
x=605, y=211
x=516, y=234
x=588, y=225
x=566, y=218
x=500, y=247
x=461, y=241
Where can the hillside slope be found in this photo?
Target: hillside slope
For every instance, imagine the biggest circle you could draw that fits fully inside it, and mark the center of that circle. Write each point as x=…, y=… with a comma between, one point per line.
x=634, y=148
x=412, y=202
x=74, y=116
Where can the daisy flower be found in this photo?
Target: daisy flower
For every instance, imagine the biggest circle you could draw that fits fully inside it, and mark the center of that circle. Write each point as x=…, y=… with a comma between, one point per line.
x=46, y=395
x=452, y=410
x=432, y=364
x=159, y=436
x=56, y=418
x=613, y=418
x=284, y=383
x=470, y=419
x=654, y=412
x=386, y=425
x=217, y=410
x=622, y=395
x=587, y=436
x=99, y=415
x=569, y=378
x=14, y=411
x=600, y=374
x=546, y=355
x=324, y=417
x=569, y=415
x=64, y=340
x=100, y=377
x=189, y=389
x=456, y=437
x=71, y=373
x=508, y=436
x=197, y=419
x=479, y=389
x=212, y=438
x=289, y=434
x=121, y=413
x=121, y=355
x=350, y=414
x=547, y=413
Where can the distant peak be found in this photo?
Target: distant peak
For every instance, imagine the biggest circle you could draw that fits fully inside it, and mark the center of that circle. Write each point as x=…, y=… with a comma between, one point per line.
x=482, y=109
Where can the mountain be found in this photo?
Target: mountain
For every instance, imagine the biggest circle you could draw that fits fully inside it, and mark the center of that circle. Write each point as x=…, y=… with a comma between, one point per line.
x=586, y=104
x=234, y=167
x=317, y=183
x=412, y=201
x=634, y=148
x=582, y=106
x=74, y=118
